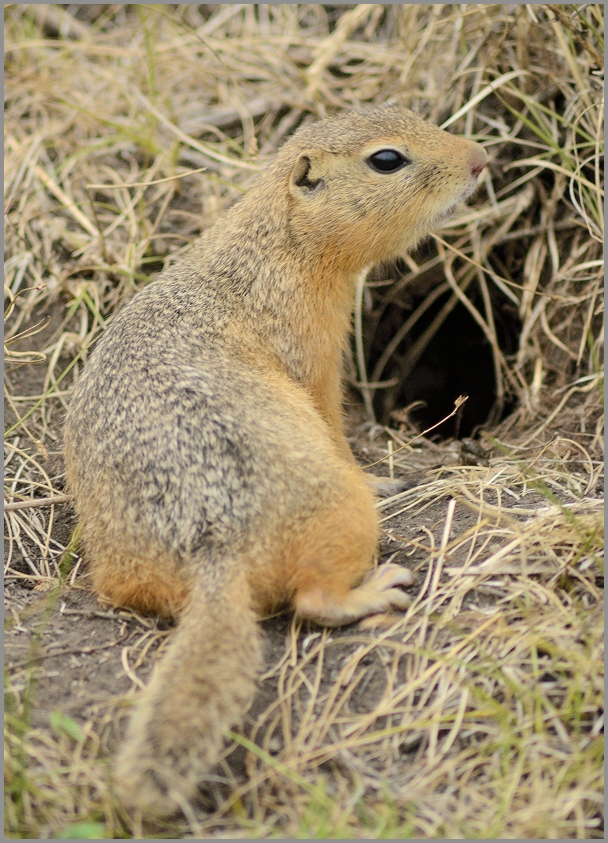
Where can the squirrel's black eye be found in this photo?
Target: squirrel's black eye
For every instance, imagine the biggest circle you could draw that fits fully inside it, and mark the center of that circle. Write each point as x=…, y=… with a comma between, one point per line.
x=387, y=161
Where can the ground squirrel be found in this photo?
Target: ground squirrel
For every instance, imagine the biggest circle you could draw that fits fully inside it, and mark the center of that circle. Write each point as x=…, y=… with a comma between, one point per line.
x=204, y=443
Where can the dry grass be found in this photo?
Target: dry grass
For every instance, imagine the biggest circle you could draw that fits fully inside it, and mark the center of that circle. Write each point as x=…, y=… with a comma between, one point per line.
x=128, y=129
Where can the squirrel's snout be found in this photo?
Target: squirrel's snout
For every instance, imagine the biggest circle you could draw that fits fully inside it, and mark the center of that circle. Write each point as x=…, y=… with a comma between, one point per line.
x=478, y=161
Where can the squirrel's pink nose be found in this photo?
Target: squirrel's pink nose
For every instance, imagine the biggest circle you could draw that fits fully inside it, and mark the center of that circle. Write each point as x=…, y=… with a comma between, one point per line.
x=478, y=161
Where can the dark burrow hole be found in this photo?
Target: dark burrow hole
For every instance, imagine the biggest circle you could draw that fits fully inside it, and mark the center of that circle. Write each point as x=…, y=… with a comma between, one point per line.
x=457, y=360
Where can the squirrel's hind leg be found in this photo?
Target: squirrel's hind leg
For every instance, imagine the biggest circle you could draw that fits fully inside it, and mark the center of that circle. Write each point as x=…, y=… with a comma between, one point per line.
x=151, y=586
x=335, y=583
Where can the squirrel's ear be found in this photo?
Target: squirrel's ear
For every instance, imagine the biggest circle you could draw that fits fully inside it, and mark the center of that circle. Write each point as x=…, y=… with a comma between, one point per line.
x=302, y=180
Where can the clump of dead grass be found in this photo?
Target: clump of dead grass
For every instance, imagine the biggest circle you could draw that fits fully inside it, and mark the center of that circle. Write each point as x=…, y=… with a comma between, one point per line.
x=128, y=129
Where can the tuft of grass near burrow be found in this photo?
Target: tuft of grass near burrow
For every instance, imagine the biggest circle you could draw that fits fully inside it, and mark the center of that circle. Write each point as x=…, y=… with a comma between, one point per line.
x=128, y=129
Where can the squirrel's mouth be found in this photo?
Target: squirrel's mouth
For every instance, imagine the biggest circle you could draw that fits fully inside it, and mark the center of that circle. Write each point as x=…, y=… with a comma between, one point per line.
x=443, y=216
x=451, y=210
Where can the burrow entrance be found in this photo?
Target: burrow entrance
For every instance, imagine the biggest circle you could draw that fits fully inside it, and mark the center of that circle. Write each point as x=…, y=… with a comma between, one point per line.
x=443, y=354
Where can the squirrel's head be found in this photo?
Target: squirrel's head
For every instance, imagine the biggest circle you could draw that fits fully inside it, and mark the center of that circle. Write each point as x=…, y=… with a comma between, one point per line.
x=369, y=185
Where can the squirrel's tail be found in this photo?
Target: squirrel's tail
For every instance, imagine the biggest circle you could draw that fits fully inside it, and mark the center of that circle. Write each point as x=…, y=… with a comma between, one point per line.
x=201, y=688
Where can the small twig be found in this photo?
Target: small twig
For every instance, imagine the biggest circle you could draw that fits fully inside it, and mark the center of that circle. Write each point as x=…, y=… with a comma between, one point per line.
x=122, y=185
x=457, y=405
x=124, y=658
x=33, y=504
x=76, y=651
x=69, y=204
x=88, y=614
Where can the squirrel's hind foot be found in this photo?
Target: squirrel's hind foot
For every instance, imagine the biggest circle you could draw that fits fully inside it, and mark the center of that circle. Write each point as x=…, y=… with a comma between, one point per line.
x=379, y=593
x=385, y=487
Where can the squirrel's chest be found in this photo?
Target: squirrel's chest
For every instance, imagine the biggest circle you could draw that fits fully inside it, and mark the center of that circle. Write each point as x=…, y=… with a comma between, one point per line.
x=313, y=340
x=301, y=322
